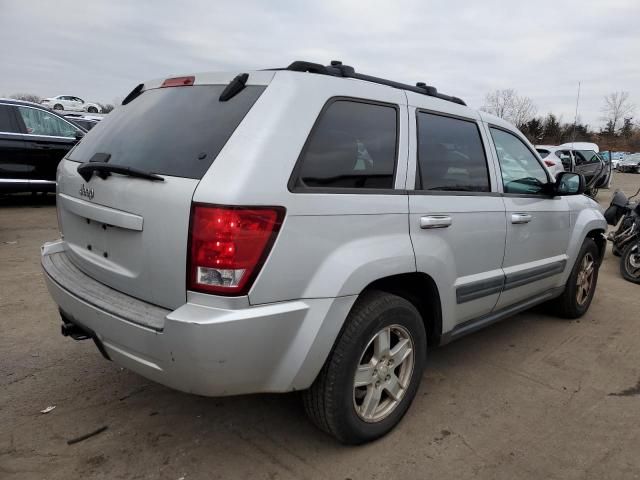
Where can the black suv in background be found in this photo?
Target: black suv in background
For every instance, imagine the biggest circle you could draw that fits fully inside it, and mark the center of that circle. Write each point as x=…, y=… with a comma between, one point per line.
x=33, y=140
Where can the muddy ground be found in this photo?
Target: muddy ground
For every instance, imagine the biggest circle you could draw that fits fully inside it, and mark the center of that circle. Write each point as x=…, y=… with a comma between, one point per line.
x=530, y=398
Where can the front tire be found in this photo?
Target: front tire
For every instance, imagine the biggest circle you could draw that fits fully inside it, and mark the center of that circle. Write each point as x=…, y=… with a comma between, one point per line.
x=581, y=285
x=630, y=263
x=372, y=375
x=57, y=106
x=92, y=110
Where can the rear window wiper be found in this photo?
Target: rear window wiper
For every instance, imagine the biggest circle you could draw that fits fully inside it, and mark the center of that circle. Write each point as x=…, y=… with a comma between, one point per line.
x=86, y=170
x=235, y=87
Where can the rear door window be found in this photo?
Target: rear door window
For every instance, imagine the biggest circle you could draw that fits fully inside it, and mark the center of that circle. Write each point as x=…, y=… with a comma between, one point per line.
x=451, y=156
x=176, y=131
x=584, y=157
x=352, y=146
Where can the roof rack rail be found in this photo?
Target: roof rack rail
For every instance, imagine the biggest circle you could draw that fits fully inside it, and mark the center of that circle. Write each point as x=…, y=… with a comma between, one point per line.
x=337, y=69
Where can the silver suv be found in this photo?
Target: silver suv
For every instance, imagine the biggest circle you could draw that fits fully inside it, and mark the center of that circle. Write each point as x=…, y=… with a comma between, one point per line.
x=309, y=228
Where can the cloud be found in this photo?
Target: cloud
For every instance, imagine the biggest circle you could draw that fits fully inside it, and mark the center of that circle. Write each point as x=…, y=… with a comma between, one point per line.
x=101, y=49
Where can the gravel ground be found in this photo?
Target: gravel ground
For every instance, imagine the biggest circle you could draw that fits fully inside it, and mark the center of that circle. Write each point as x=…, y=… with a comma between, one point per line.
x=529, y=398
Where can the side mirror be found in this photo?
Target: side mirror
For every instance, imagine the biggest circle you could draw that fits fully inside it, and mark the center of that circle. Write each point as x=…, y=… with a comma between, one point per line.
x=79, y=134
x=568, y=183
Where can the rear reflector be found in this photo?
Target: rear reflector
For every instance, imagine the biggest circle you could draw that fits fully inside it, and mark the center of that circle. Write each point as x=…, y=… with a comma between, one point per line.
x=178, y=82
x=549, y=163
x=228, y=246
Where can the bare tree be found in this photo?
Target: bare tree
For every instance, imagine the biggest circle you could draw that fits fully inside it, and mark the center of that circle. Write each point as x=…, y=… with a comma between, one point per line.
x=500, y=102
x=509, y=105
x=523, y=111
x=617, y=106
x=27, y=97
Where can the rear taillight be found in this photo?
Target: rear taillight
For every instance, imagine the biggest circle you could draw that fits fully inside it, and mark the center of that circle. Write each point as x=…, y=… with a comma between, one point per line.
x=228, y=246
x=178, y=82
x=549, y=163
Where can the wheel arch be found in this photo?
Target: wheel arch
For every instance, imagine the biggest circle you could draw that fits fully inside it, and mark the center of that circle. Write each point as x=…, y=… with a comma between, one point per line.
x=588, y=223
x=421, y=290
x=598, y=236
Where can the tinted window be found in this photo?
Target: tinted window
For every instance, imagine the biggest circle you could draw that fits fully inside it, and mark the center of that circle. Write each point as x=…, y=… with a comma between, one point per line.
x=353, y=145
x=586, y=156
x=450, y=155
x=543, y=153
x=521, y=171
x=6, y=120
x=171, y=131
x=40, y=122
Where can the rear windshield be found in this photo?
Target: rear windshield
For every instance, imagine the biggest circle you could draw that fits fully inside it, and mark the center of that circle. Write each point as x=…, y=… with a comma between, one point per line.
x=175, y=131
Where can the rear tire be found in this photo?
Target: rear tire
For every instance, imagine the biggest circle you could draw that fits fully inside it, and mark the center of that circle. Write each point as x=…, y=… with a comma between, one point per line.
x=57, y=106
x=92, y=110
x=351, y=399
x=581, y=285
x=630, y=263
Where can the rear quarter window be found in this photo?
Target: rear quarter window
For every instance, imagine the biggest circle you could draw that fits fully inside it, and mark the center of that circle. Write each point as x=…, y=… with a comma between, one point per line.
x=353, y=145
x=175, y=131
x=7, y=123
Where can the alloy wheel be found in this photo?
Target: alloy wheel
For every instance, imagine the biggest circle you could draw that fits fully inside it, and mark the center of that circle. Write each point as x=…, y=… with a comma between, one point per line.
x=585, y=279
x=383, y=373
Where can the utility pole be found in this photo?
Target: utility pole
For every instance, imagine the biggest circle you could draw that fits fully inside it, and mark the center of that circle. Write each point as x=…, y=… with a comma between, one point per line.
x=575, y=119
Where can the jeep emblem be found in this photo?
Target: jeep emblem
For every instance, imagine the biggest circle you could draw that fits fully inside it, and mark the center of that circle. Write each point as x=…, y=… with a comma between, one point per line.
x=86, y=192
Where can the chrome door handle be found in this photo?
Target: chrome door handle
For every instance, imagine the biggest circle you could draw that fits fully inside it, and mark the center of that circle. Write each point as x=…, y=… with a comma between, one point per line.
x=435, y=221
x=518, y=218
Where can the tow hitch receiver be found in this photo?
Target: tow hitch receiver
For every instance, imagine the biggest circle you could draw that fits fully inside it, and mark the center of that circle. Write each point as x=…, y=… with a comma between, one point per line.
x=74, y=331
x=79, y=332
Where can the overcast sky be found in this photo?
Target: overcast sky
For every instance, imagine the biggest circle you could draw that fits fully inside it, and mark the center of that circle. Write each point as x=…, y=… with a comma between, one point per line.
x=99, y=50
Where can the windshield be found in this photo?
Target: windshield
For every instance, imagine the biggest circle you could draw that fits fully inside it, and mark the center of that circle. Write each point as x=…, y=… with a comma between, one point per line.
x=170, y=131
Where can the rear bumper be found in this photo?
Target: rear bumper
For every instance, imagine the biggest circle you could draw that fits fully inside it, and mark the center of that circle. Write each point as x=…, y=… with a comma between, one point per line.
x=198, y=349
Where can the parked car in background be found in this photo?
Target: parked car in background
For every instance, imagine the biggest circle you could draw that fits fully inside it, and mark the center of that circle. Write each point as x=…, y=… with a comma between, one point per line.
x=206, y=250
x=586, y=162
x=552, y=162
x=71, y=103
x=33, y=140
x=581, y=146
x=614, y=163
x=630, y=164
x=85, y=121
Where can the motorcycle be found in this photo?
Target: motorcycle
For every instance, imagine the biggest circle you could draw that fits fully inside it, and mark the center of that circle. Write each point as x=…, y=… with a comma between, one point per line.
x=626, y=238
